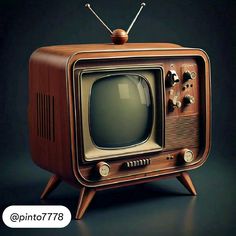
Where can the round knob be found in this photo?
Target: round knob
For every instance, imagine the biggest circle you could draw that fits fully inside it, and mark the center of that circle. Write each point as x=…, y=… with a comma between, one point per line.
x=178, y=104
x=187, y=155
x=119, y=36
x=103, y=168
x=189, y=75
x=174, y=103
x=188, y=99
x=172, y=78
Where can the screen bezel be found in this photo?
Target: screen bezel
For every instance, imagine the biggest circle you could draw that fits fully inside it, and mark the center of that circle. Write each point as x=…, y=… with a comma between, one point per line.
x=153, y=144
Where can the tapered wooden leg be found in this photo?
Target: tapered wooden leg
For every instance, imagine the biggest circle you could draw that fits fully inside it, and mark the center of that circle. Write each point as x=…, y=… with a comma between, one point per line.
x=185, y=179
x=86, y=196
x=53, y=182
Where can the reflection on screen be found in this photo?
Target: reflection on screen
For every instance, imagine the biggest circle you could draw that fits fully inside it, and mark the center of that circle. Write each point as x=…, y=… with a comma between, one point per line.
x=120, y=111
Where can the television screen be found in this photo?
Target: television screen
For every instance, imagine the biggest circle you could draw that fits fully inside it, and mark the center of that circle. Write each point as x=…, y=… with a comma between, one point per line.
x=120, y=111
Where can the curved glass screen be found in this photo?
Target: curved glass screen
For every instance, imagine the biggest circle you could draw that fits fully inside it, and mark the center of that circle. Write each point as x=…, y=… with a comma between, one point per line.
x=120, y=111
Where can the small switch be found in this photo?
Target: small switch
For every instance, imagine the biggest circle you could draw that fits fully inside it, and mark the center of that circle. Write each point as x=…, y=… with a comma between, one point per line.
x=171, y=78
x=189, y=75
x=174, y=103
x=188, y=99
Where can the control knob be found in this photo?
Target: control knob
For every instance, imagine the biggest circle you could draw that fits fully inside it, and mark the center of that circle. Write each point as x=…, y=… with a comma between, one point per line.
x=186, y=155
x=188, y=99
x=172, y=78
x=102, y=168
x=189, y=75
x=174, y=103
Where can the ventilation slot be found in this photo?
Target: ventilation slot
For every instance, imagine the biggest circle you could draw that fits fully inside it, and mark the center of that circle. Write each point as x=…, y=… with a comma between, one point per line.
x=45, y=116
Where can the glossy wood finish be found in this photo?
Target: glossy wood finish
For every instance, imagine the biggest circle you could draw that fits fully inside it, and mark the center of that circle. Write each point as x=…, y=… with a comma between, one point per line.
x=52, y=108
x=119, y=36
x=202, y=108
x=86, y=196
x=181, y=125
x=185, y=179
x=52, y=184
x=47, y=79
x=159, y=163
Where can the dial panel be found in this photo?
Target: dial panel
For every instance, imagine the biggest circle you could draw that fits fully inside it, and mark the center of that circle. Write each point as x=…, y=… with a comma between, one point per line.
x=182, y=98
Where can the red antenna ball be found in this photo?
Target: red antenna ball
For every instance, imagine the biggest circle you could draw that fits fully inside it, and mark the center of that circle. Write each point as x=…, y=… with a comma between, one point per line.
x=119, y=36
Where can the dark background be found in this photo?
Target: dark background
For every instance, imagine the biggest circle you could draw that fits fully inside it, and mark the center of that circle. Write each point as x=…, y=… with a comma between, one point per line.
x=157, y=208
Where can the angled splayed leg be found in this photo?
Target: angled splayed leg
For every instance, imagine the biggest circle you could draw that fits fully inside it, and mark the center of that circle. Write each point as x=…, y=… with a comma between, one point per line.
x=185, y=179
x=86, y=196
x=53, y=182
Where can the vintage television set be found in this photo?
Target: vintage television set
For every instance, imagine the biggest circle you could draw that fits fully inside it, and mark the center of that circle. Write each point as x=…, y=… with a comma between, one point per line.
x=109, y=115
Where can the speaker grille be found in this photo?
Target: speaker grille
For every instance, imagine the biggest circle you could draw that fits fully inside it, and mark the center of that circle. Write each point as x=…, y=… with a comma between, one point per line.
x=182, y=132
x=45, y=116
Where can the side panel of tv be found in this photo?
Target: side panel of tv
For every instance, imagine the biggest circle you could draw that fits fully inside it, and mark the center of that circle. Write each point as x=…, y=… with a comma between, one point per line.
x=49, y=114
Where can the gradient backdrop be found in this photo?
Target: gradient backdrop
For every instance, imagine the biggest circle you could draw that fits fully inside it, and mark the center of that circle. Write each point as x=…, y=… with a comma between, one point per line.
x=162, y=208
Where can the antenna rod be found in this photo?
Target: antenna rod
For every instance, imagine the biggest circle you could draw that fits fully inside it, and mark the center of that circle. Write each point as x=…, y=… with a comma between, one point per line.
x=89, y=7
x=135, y=18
